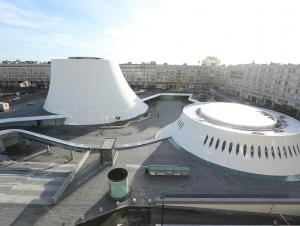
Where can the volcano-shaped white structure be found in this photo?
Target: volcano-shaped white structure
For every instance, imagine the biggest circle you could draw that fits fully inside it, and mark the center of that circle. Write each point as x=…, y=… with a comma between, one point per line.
x=91, y=91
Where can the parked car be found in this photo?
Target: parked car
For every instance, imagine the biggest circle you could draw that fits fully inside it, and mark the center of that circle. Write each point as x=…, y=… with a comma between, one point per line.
x=16, y=98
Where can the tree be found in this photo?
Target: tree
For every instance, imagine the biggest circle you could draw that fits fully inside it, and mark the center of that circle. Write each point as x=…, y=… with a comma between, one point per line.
x=211, y=61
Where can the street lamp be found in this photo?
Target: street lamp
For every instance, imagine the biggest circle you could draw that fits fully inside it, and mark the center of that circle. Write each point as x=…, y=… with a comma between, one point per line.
x=162, y=197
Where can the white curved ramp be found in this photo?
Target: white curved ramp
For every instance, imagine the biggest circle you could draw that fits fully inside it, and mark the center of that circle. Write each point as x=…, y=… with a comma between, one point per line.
x=69, y=145
x=51, y=140
x=91, y=91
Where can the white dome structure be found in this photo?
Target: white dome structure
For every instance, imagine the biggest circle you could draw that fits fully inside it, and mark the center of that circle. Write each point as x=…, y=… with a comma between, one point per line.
x=239, y=137
x=91, y=91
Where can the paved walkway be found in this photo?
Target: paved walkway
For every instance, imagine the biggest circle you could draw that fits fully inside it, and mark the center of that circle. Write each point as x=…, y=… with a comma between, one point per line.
x=165, y=117
x=11, y=121
x=172, y=94
x=140, y=143
x=162, y=112
x=37, y=181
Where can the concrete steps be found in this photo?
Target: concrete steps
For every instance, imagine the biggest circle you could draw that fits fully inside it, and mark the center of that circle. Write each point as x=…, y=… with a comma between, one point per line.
x=40, y=183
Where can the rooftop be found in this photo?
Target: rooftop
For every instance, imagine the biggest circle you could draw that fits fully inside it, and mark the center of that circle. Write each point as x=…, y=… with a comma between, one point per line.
x=243, y=119
x=238, y=116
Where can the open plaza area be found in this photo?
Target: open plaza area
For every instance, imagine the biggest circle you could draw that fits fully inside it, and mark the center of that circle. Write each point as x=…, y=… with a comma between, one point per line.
x=86, y=194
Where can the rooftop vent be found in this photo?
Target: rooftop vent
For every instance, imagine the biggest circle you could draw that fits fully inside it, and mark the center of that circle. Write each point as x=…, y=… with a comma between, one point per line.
x=118, y=183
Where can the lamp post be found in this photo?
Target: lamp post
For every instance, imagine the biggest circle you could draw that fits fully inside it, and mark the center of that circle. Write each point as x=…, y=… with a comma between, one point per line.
x=162, y=197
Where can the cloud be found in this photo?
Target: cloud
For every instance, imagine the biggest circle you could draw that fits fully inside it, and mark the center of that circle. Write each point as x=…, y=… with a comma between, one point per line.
x=187, y=31
x=172, y=31
x=12, y=15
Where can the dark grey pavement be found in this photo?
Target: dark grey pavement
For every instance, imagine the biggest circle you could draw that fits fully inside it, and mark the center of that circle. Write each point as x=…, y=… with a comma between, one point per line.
x=167, y=109
x=90, y=186
x=205, y=180
x=32, y=105
x=22, y=109
x=86, y=196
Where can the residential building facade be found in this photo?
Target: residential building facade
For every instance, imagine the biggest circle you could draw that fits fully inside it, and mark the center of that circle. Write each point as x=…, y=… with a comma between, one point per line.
x=270, y=85
x=14, y=73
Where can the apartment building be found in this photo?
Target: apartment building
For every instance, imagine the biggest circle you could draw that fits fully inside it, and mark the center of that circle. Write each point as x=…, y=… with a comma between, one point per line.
x=165, y=76
x=271, y=85
x=14, y=73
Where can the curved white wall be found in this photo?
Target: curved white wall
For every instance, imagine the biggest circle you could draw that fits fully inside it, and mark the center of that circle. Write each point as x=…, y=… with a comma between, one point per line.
x=91, y=91
x=190, y=134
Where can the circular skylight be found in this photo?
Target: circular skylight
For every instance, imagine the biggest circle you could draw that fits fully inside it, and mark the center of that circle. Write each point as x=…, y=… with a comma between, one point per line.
x=237, y=116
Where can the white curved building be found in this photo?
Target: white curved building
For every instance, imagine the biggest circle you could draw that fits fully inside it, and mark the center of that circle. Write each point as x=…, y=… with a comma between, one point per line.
x=91, y=91
x=239, y=137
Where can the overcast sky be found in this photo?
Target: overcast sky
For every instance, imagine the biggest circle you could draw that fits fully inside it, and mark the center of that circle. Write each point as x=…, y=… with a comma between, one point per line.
x=173, y=31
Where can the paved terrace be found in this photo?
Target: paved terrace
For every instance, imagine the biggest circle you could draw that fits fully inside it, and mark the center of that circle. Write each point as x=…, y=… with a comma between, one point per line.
x=86, y=195
x=162, y=112
x=24, y=110
x=36, y=115
x=79, y=146
x=168, y=111
x=38, y=178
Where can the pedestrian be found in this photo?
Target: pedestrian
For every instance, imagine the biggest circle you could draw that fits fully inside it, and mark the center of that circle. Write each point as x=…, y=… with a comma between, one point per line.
x=158, y=115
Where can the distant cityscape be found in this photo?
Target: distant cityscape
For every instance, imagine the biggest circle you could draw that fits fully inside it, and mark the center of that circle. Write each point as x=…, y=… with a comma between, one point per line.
x=275, y=86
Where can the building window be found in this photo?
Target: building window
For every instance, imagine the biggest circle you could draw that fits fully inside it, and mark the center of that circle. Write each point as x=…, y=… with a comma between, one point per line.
x=237, y=149
x=180, y=123
x=245, y=150
x=223, y=145
x=284, y=152
x=294, y=149
x=266, y=152
x=290, y=151
x=259, y=152
x=230, y=147
x=272, y=152
x=217, y=144
x=279, y=153
x=252, y=151
x=205, y=140
x=211, y=141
